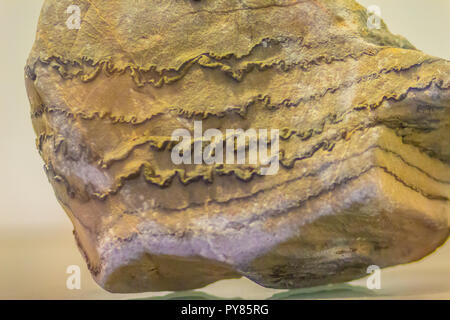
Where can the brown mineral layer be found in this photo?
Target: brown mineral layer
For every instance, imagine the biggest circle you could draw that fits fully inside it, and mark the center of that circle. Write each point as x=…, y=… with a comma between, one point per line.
x=364, y=150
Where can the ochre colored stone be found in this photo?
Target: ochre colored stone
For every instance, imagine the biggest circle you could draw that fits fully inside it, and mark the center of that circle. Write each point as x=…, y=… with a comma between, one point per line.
x=364, y=119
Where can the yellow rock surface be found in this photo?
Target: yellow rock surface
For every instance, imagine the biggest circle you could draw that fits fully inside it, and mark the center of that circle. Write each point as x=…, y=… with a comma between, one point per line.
x=364, y=122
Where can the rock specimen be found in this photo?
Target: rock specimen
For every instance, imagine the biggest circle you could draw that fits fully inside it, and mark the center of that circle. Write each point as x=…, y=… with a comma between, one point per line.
x=364, y=150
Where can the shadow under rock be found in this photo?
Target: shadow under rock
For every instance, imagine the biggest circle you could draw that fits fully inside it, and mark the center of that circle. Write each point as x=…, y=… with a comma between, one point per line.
x=189, y=295
x=334, y=291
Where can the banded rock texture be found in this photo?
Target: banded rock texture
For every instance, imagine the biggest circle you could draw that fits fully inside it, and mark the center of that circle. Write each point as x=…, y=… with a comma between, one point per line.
x=364, y=120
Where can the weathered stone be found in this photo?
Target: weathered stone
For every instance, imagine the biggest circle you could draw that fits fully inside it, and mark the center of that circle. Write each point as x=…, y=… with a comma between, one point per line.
x=364, y=119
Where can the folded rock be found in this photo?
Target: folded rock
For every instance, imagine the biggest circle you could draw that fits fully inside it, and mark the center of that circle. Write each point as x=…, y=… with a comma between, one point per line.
x=364, y=150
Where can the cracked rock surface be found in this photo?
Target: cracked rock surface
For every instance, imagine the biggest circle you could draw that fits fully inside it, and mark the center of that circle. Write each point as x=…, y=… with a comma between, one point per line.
x=364, y=121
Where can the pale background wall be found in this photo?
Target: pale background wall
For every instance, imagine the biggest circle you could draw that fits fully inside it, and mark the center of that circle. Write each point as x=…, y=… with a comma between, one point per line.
x=36, y=244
